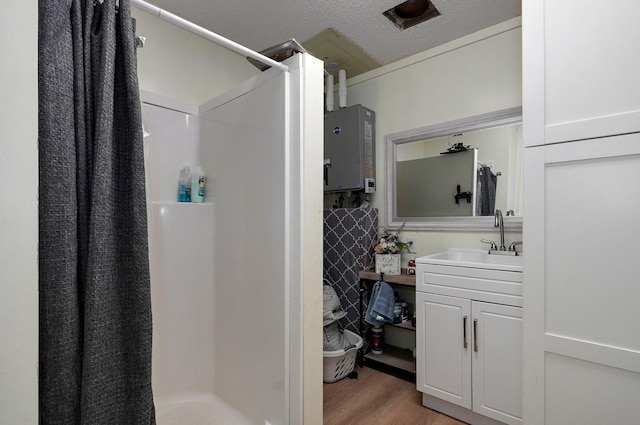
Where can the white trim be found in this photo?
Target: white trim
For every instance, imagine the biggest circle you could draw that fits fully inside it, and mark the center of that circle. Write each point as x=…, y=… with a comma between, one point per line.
x=470, y=223
x=533, y=289
x=439, y=50
x=151, y=98
x=293, y=288
x=455, y=411
x=622, y=145
x=309, y=315
x=621, y=358
x=476, y=122
x=533, y=66
x=462, y=224
x=288, y=247
x=627, y=122
x=239, y=90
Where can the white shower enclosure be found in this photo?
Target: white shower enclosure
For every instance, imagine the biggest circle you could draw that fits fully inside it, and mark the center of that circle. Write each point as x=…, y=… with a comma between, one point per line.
x=228, y=275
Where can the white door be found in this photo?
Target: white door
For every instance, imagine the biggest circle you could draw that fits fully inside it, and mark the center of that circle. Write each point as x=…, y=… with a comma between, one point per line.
x=581, y=291
x=444, y=348
x=497, y=361
x=581, y=75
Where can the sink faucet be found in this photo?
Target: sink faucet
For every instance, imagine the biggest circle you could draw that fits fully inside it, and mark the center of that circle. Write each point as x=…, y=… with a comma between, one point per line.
x=502, y=249
x=498, y=222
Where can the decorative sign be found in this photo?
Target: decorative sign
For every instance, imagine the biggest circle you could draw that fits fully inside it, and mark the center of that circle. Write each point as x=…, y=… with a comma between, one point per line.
x=388, y=263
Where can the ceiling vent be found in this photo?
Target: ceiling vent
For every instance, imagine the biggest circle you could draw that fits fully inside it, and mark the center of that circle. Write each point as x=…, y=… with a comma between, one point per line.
x=411, y=13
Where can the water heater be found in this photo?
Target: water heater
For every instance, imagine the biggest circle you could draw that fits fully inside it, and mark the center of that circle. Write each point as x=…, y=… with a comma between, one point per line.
x=349, y=150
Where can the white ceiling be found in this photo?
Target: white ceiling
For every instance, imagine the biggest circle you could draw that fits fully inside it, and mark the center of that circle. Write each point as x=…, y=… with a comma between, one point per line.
x=259, y=24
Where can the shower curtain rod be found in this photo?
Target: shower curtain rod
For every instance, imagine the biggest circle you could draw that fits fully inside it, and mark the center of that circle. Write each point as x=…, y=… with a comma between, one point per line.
x=209, y=35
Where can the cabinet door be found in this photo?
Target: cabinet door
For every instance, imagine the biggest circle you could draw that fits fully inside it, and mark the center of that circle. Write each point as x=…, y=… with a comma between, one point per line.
x=497, y=361
x=443, y=346
x=581, y=291
x=581, y=79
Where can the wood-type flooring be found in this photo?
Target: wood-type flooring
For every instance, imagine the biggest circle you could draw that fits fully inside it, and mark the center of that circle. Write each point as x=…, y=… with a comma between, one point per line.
x=377, y=398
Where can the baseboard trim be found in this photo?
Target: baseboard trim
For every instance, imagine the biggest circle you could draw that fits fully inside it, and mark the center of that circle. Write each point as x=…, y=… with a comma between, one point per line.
x=460, y=413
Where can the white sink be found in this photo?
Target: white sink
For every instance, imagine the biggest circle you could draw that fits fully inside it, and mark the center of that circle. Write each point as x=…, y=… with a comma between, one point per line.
x=474, y=258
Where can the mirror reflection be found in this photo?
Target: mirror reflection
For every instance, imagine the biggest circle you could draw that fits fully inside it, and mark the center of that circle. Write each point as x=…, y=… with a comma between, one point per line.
x=457, y=172
x=431, y=174
x=415, y=198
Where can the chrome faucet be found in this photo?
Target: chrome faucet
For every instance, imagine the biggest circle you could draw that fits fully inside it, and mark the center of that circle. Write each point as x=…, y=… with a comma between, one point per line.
x=498, y=222
x=502, y=249
x=512, y=247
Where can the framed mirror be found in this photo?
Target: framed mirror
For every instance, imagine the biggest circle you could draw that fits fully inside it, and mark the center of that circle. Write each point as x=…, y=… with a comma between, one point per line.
x=454, y=175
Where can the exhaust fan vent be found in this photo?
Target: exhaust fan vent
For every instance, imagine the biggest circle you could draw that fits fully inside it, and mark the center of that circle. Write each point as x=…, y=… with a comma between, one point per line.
x=411, y=13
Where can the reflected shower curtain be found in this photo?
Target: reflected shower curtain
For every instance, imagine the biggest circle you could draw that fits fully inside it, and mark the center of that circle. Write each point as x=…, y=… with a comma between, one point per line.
x=486, y=191
x=95, y=307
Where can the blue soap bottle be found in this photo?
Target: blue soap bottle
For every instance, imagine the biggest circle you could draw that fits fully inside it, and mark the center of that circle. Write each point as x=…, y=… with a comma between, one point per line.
x=184, y=184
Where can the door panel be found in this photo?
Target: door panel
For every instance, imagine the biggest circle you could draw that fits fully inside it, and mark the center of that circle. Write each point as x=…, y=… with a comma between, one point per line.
x=444, y=363
x=497, y=363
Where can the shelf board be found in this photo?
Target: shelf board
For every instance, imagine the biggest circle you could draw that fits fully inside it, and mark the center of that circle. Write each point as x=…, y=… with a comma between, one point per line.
x=403, y=325
x=399, y=279
x=182, y=203
x=395, y=357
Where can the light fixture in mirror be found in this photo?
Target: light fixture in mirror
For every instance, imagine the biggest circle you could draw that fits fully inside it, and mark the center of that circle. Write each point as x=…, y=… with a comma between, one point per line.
x=454, y=175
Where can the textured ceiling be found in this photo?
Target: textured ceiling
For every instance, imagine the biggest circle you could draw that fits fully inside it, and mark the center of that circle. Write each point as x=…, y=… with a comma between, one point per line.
x=259, y=24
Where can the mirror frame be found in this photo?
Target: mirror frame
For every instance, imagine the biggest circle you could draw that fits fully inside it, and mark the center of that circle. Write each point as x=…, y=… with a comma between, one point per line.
x=463, y=125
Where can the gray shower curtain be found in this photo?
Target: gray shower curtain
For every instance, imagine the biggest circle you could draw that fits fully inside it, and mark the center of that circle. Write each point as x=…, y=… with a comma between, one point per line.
x=486, y=191
x=95, y=307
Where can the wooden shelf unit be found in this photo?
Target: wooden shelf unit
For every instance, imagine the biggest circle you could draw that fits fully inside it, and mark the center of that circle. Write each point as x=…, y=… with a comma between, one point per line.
x=399, y=279
x=395, y=357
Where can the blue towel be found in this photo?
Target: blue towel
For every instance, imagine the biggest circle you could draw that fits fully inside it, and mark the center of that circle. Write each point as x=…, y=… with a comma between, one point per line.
x=380, y=308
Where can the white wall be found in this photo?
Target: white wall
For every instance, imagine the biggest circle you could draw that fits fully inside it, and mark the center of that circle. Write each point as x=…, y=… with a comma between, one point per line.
x=183, y=66
x=473, y=75
x=19, y=214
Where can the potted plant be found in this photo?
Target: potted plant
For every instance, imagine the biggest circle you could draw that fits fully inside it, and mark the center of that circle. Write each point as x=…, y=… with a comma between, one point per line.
x=388, y=250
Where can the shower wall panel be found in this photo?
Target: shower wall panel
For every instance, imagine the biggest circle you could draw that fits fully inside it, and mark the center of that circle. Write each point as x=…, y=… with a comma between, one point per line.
x=244, y=152
x=172, y=140
x=182, y=295
x=181, y=260
x=232, y=323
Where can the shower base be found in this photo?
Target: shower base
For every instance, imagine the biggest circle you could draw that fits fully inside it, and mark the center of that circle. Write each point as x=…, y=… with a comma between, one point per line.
x=196, y=409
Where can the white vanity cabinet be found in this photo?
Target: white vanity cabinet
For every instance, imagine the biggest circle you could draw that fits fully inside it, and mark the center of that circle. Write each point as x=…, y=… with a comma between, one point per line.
x=469, y=340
